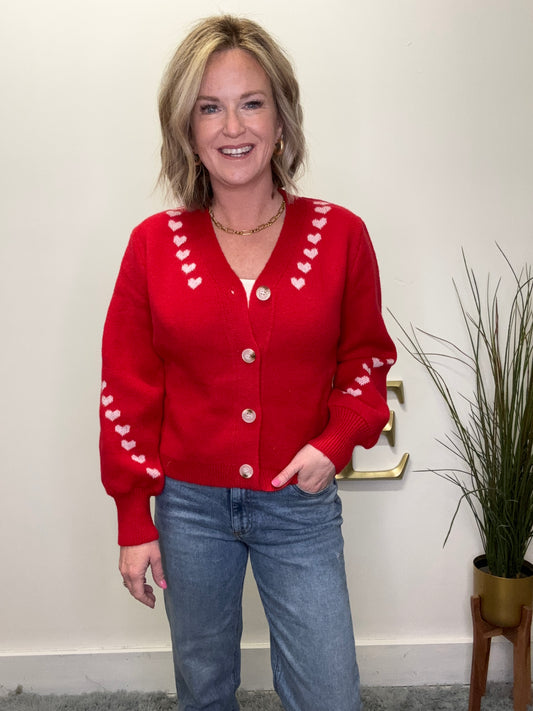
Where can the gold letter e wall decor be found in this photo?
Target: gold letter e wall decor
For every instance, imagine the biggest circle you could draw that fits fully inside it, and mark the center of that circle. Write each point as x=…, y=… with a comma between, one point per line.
x=389, y=431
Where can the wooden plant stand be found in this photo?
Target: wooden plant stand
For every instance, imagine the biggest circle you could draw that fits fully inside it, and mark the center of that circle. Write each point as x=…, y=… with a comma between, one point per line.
x=520, y=637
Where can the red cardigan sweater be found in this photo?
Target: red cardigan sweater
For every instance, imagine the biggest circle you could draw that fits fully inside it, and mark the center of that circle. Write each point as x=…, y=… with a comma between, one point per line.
x=201, y=386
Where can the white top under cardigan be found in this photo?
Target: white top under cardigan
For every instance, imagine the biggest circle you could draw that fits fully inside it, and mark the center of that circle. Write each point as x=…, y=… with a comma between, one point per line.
x=248, y=286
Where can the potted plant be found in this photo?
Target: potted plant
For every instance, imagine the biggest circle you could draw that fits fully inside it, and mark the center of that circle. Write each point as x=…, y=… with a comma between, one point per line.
x=492, y=432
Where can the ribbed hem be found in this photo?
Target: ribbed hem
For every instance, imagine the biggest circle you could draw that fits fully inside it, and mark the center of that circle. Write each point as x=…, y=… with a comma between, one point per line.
x=218, y=474
x=344, y=431
x=135, y=525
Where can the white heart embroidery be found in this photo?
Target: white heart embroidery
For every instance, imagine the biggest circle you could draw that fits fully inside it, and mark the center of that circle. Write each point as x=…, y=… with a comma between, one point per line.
x=314, y=239
x=298, y=283
x=107, y=400
x=193, y=283
x=376, y=363
x=319, y=224
x=112, y=414
x=128, y=445
x=311, y=253
x=140, y=459
x=366, y=367
x=323, y=210
x=390, y=361
x=174, y=213
x=122, y=430
x=304, y=267
x=178, y=241
x=363, y=381
x=104, y=385
x=319, y=202
x=154, y=473
x=183, y=254
x=354, y=393
x=174, y=225
x=188, y=268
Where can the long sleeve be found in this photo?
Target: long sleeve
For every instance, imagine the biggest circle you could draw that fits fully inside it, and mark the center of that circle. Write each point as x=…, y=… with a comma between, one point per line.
x=131, y=401
x=358, y=408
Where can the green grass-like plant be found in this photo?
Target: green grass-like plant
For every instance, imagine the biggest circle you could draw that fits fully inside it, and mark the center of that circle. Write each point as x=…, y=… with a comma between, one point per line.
x=492, y=428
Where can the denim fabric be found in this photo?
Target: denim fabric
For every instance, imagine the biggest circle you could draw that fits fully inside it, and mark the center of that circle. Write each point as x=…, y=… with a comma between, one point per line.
x=296, y=551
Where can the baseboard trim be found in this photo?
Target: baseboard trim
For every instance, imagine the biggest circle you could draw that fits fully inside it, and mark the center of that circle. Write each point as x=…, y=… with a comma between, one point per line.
x=383, y=664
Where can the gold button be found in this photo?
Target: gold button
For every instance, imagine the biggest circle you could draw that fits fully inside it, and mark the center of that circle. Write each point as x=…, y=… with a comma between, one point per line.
x=249, y=415
x=246, y=471
x=263, y=293
x=248, y=355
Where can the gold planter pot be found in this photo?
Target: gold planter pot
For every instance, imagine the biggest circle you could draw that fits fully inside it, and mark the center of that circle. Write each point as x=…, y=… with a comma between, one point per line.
x=502, y=598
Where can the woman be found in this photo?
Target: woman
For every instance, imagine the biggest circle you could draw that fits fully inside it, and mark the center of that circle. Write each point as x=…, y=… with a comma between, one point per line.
x=244, y=356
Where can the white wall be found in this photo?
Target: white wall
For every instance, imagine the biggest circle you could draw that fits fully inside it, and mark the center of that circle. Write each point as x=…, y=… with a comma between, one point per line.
x=418, y=115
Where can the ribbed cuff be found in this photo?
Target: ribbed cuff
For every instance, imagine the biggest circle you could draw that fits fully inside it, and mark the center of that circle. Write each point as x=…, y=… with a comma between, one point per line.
x=135, y=525
x=344, y=431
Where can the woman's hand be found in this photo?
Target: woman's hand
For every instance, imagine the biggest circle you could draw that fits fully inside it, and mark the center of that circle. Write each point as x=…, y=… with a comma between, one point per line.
x=315, y=471
x=133, y=564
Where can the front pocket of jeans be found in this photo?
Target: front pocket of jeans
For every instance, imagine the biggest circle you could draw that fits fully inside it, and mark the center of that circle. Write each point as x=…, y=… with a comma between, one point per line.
x=309, y=495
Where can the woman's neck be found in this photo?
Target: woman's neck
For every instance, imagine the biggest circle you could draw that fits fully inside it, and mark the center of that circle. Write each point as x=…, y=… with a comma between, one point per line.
x=245, y=209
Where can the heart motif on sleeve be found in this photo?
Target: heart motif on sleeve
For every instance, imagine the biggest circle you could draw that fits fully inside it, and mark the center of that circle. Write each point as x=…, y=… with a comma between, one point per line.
x=154, y=473
x=112, y=415
x=182, y=254
x=319, y=224
x=323, y=210
x=128, y=444
x=122, y=430
x=140, y=459
x=107, y=400
x=298, y=283
x=364, y=380
x=104, y=385
x=188, y=268
x=376, y=363
x=304, y=267
x=314, y=239
x=179, y=240
x=174, y=226
x=311, y=253
x=193, y=283
x=354, y=393
x=174, y=213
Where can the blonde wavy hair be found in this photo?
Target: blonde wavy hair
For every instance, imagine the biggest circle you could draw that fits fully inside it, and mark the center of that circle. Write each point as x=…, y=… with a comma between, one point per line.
x=186, y=181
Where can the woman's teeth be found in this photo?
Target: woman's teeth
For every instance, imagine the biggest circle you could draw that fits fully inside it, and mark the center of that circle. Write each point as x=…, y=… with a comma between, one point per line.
x=236, y=151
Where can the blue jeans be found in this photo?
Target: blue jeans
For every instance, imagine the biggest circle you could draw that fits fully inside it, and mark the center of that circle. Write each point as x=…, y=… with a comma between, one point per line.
x=295, y=546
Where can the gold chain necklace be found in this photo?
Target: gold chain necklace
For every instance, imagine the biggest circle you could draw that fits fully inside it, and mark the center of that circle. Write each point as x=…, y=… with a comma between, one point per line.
x=246, y=233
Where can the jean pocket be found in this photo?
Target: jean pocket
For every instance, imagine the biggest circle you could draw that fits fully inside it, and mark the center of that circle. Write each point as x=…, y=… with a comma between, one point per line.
x=317, y=494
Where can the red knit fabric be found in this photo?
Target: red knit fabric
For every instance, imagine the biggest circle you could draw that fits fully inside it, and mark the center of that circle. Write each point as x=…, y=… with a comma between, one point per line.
x=178, y=372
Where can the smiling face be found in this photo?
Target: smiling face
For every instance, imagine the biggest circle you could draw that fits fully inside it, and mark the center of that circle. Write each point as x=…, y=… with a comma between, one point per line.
x=235, y=124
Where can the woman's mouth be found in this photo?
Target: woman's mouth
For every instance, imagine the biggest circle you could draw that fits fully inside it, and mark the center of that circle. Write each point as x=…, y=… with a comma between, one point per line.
x=235, y=151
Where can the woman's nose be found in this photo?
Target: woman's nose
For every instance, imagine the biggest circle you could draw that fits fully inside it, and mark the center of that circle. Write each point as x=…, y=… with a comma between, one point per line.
x=233, y=125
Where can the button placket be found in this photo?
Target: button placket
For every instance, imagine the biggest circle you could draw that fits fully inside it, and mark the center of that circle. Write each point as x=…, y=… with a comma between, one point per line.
x=250, y=387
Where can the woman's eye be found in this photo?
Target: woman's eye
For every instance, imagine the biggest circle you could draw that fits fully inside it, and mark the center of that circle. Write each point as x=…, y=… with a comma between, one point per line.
x=255, y=104
x=208, y=108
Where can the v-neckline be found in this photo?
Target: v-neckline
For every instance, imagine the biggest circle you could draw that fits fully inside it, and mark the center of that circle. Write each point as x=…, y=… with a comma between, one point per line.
x=275, y=264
